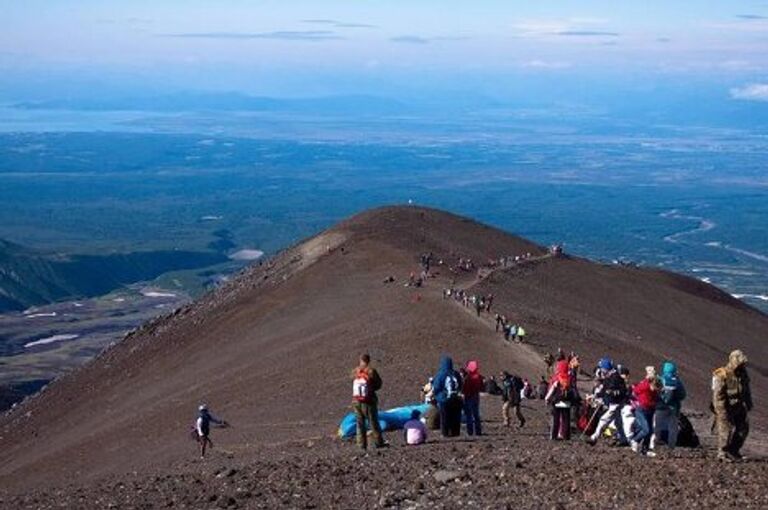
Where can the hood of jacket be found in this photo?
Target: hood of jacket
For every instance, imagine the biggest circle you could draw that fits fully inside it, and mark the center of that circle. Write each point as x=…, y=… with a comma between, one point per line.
x=669, y=369
x=736, y=359
x=473, y=367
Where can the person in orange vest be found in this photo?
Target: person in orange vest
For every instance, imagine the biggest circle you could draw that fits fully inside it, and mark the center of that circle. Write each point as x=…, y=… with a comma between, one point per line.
x=365, y=383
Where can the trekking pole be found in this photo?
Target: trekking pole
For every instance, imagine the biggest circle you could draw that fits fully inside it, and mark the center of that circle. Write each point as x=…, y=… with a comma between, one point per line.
x=589, y=423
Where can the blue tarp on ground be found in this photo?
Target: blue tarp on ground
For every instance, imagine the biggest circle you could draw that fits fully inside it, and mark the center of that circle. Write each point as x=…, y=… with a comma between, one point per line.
x=391, y=419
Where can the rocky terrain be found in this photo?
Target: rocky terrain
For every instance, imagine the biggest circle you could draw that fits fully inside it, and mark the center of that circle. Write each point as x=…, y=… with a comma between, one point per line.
x=271, y=352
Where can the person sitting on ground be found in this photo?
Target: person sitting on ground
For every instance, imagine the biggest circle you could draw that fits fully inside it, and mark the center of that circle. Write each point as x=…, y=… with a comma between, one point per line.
x=414, y=430
x=613, y=394
x=510, y=398
x=526, y=393
x=492, y=387
x=646, y=394
x=447, y=383
x=561, y=397
x=472, y=386
x=667, y=415
x=428, y=393
x=203, y=428
x=365, y=383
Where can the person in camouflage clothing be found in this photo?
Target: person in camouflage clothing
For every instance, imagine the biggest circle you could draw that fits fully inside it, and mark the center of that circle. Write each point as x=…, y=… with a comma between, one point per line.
x=731, y=402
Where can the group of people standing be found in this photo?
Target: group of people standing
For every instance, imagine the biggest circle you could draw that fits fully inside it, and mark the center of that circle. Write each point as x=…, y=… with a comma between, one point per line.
x=642, y=416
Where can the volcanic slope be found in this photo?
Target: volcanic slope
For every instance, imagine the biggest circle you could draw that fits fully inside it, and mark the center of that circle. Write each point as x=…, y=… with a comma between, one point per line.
x=272, y=350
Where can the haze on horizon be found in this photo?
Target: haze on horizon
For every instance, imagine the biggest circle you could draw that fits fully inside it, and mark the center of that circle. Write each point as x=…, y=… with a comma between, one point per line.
x=531, y=53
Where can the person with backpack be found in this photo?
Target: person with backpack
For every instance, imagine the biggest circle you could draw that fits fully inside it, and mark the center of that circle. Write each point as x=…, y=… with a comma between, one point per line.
x=365, y=383
x=203, y=428
x=520, y=334
x=472, y=386
x=731, y=403
x=447, y=386
x=561, y=396
x=646, y=395
x=667, y=415
x=613, y=394
x=510, y=397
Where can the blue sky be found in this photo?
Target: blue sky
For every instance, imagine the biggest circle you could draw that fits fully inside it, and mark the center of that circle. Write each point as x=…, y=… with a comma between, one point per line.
x=304, y=48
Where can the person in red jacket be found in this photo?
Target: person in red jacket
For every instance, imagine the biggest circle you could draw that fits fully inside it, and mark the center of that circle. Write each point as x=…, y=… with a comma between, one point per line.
x=473, y=385
x=646, y=394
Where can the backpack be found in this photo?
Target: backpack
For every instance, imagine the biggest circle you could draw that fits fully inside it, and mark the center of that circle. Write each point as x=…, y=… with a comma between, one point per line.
x=686, y=437
x=451, y=386
x=361, y=387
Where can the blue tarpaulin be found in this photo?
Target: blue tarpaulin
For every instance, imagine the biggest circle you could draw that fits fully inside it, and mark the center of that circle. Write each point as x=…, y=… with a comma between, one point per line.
x=391, y=419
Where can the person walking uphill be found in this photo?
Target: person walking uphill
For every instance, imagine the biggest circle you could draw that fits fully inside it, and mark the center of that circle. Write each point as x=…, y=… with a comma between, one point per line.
x=731, y=402
x=667, y=416
x=473, y=385
x=365, y=383
x=447, y=386
x=510, y=397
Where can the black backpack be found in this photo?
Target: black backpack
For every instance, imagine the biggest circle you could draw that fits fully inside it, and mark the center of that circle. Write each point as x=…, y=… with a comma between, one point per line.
x=686, y=436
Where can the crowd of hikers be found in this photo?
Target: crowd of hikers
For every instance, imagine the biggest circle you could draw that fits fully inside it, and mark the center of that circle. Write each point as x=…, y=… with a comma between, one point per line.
x=642, y=416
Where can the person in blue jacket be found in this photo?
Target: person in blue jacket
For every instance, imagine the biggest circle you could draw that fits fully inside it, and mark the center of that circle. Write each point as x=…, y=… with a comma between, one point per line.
x=447, y=387
x=667, y=415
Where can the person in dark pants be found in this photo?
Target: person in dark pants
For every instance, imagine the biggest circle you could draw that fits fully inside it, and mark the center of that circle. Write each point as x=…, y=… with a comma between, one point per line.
x=203, y=428
x=560, y=397
x=510, y=398
x=473, y=385
x=365, y=383
x=447, y=386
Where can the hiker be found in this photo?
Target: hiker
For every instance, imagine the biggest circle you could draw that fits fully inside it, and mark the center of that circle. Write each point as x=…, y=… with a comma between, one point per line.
x=498, y=322
x=365, y=383
x=479, y=305
x=646, y=394
x=491, y=386
x=510, y=398
x=428, y=392
x=613, y=394
x=203, y=428
x=472, y=386
x=520, y=334
x=507, y=329
x=561, y=396
x=526, y=392
x=549, y=360
x=447, y=384
x=542, y=388
x=414, y=430
x=604, y=366
x=667, y=416
x=731, y=403
x=512, y=332
x=488, y=303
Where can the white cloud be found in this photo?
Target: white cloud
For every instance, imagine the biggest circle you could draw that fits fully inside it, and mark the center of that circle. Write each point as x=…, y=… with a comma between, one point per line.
x=751, y=92
x=544, y=64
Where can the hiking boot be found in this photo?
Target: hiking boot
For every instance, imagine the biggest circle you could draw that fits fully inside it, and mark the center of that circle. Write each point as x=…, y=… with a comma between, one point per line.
x=650, y=453
x=727, y=457
x=591, y=441
x=635, y=446
x=521, y=424
x=385, y=444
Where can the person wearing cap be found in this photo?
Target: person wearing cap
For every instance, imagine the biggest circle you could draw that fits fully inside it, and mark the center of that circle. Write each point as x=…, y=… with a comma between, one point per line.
x=203, y=428
x=646, y=395
x=731, y=403
x=612, y=392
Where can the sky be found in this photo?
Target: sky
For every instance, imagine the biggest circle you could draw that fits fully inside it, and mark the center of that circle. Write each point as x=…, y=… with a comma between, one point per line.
x=309, y=48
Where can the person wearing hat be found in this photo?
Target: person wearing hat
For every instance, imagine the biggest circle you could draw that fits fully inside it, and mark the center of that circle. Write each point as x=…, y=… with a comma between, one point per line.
x=203, y=428
x=731, y=403
x=613, y=394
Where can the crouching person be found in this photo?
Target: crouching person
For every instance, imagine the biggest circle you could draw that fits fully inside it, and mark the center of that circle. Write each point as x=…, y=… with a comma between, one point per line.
x=414, y=430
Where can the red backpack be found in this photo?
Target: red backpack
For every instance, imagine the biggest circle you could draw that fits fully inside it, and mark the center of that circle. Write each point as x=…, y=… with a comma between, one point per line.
x=361, y=387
